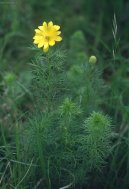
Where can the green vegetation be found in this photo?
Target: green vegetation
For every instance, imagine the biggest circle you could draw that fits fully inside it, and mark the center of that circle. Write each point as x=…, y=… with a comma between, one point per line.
x=64, y=114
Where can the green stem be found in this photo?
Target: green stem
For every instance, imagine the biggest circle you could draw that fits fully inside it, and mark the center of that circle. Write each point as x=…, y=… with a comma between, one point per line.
x=48, y=175
x=49, y=84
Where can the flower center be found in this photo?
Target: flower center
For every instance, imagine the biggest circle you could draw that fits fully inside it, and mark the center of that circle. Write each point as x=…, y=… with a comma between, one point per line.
x=47, y=37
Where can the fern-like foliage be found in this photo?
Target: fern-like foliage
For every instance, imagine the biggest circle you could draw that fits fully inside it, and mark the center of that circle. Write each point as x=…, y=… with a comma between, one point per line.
x=87, y=86
x=98, y=139
x=66, y=138
x=49, y=79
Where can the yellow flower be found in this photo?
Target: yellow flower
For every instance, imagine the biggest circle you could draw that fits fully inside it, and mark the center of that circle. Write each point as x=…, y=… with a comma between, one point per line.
x=46, y=35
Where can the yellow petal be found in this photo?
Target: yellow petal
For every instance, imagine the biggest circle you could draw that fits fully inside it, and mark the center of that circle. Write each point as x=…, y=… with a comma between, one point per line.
x=58, y=38
x=58, y=32
x=38, y=38
x=46, y=45
x=41, y=28
x=45, y=24
x=50, y=24
x=37, y=31
x=35, y=42
x=45, y=50
x=51, y=42
x=56, y=27
x=35, y=37
x=40, y=45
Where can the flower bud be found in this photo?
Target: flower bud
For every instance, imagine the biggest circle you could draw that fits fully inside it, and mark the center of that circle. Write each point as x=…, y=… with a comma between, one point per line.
x=92, y=59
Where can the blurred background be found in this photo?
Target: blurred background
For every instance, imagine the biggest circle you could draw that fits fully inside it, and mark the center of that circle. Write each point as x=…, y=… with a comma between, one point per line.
x=19, y=18
x=93, y=18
